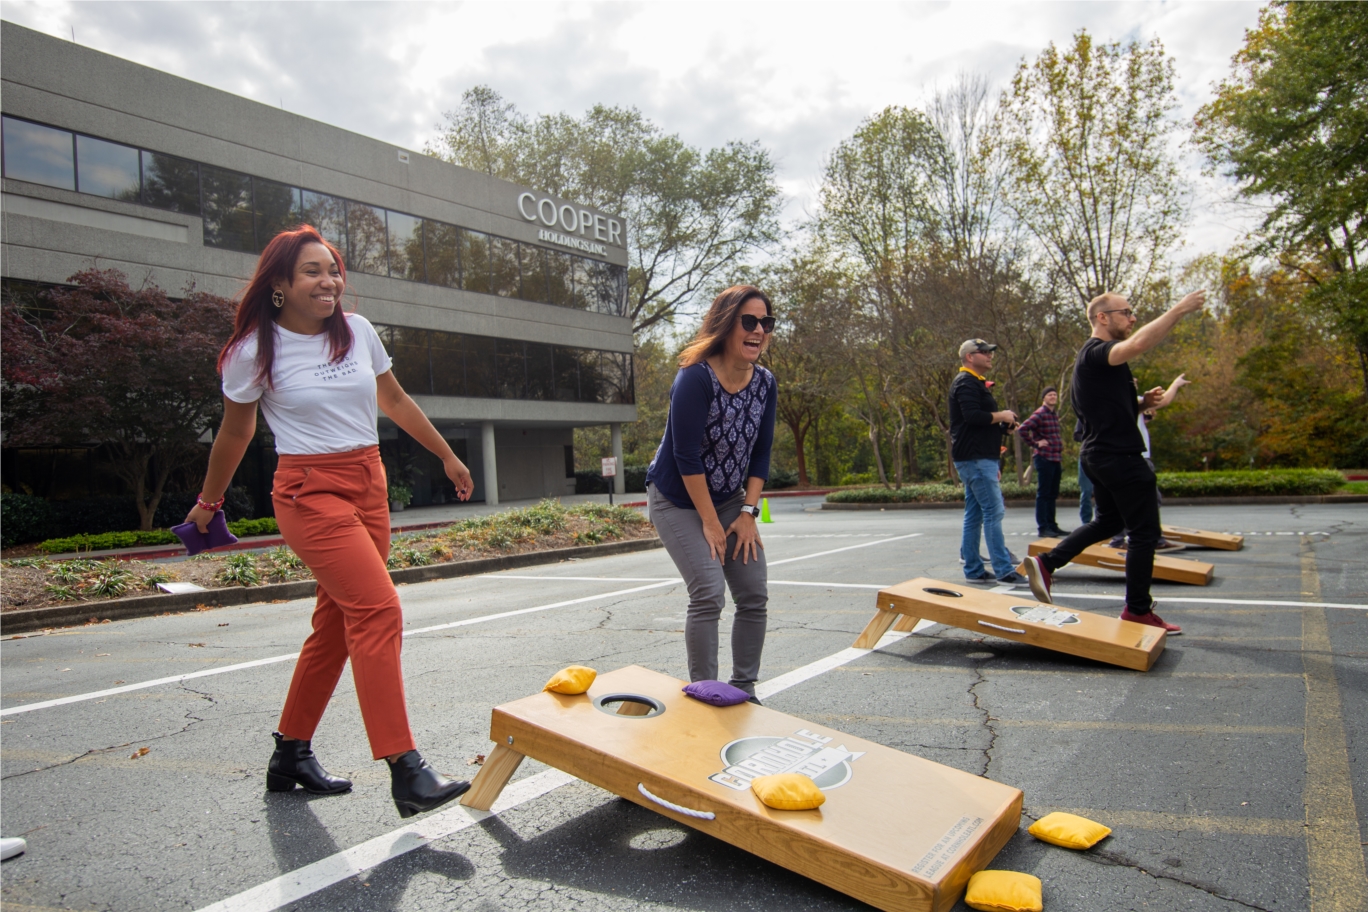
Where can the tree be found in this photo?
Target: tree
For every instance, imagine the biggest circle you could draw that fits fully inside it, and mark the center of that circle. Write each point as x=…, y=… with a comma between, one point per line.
x=1290, y=125
x=691, y=214
x=1087, y=134
x=105, y=363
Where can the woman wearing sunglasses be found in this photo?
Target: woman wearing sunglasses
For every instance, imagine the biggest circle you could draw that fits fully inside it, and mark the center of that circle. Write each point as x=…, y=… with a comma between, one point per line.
x=705, y=481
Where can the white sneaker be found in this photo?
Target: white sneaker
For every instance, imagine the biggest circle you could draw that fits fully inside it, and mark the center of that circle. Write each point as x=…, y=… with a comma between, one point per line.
x=11, y=847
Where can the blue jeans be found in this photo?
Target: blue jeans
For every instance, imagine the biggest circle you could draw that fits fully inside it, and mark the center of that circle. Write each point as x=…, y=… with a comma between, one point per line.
x=983, y=509
x=1085, y=495
x=1047, y=492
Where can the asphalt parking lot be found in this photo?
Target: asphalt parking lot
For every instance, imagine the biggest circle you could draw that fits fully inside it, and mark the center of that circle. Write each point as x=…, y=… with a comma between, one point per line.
x=1234, y=774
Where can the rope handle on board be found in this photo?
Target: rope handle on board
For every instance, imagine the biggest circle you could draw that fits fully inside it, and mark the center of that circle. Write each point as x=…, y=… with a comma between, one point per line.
x=678, y=809
x=1000, y=627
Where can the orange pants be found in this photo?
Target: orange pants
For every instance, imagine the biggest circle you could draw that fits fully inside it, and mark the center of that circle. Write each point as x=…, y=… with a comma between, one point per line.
x=333, y=510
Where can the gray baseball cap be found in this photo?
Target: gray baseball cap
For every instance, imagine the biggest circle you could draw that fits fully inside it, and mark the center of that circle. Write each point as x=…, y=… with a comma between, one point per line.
x=976, y=345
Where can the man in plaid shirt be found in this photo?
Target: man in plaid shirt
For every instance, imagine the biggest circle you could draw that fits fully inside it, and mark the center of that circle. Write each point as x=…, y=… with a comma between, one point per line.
x=1041, y=431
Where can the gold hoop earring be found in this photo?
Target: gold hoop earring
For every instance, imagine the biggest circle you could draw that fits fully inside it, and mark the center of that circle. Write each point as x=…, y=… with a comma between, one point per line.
x=277, y=298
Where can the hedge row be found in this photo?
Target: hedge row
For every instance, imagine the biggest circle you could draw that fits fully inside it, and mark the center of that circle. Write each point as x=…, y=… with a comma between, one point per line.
x=24, y=518
x=594, y=483
x=1259, y=482
x=106, y=541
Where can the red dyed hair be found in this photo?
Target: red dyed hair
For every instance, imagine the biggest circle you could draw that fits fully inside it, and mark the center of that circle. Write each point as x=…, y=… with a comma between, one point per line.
x=256, y=313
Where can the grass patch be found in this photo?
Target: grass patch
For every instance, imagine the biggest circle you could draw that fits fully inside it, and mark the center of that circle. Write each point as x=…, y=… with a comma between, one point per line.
x=1354, y=487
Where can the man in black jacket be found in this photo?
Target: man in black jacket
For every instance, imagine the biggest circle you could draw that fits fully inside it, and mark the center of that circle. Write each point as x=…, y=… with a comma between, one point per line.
x=976, y=431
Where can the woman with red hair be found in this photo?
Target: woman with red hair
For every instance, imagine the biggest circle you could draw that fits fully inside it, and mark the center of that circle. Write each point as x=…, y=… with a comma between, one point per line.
x=319, y=375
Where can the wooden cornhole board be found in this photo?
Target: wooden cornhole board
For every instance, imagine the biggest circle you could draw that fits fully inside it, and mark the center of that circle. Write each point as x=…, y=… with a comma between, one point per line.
x=896, y=831
x=1080, y=633
x=1173, y=569
x=1203, y=539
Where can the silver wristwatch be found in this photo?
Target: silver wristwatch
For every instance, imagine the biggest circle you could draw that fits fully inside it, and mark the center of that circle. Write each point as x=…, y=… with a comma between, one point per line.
x=751, y=509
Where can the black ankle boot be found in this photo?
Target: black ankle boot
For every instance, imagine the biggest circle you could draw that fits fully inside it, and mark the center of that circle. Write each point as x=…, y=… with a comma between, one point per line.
x=417, y=787
x=294, y=763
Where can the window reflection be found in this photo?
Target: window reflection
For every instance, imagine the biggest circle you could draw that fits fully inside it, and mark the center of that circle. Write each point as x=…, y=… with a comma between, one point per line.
x=171, y=183
x=482, y=369
x=406, y=246
x=541, y=377
x=512, y=369
x=227, y=209
x=409, y=349
x=474, y=261
x=581, y=294
x=567, y=365
x=447, y=351
x=329, y=215
x=443, y=245
x=38, y=154
x=617, y=379
x=107, y=169
x=276, y=208
x=591, y=376
x=504, y=278
x=558, y=277
x=366, y=234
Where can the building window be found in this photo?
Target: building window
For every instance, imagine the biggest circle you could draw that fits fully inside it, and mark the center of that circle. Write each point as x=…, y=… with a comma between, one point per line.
x=406, y=247
x=481, y=367
x=558, y=277
x=326, y=213
x=38, y=154
x=567, y=367
x=447, y=351
x=366, y=234
x=412, y=365
x=512, y=368
x=475, y=261
x=277, y=208
x=170, y=183
x=227, y=206
x=541, y=374
x=107, y=169
x=443, y=246
x=504, y=272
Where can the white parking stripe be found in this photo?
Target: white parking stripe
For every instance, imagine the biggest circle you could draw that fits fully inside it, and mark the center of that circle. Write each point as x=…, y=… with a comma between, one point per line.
x=311, y=878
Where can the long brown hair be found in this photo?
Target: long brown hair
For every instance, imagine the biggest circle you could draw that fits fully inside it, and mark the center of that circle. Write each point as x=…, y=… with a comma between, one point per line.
x=719, y=322
x=256, y=313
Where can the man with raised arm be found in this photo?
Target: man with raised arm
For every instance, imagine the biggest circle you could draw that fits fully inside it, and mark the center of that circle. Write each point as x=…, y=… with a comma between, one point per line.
x=1108, y=403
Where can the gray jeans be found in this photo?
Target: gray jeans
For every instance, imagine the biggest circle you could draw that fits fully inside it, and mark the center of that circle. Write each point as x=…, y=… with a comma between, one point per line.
x=681, y=530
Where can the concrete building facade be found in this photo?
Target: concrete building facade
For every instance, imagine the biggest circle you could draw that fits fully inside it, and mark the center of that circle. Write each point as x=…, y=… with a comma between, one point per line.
x=503, y=307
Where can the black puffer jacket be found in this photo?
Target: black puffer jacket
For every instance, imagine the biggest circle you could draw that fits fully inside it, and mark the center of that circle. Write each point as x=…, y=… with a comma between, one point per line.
x=973, y=435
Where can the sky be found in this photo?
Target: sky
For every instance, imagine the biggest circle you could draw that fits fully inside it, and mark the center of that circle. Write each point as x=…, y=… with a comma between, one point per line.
x=797, y=77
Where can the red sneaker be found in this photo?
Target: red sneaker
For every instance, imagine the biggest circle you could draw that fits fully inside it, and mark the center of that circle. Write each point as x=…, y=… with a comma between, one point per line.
x=1038, y=577
x=1153, y=620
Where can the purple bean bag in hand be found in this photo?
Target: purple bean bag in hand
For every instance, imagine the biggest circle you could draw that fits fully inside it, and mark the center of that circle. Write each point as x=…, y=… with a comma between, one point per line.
x=196, y=541
x=716, y=692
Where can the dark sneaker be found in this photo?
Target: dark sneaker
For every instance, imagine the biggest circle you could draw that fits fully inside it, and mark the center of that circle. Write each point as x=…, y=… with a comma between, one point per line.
x=1038, y=577
x=1152, y=619
x=1060, y=533
x=1119, y=543
x=1012, y=579
x=983, y=577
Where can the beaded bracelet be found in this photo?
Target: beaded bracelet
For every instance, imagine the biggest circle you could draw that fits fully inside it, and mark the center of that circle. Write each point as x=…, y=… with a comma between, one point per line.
x=211, y=507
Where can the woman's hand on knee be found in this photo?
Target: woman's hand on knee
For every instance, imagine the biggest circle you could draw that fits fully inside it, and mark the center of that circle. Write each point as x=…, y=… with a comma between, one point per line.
x=716, y=538
x=747, y=538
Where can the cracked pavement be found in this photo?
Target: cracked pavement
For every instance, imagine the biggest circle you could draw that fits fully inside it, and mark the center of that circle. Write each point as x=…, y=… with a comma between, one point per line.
x=1200, y=766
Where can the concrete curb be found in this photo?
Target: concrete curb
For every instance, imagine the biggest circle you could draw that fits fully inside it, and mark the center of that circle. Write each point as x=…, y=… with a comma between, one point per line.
x=148, y=605
x=1168, y=502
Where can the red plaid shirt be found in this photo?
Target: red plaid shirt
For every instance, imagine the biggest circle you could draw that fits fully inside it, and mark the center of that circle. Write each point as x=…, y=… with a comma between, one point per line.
x=1041, y=431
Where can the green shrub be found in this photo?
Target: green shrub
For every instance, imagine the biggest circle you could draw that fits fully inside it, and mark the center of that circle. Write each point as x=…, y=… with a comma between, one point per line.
x=264, y=526
x=1242, y=483
x=239, y=570
x=106, y=541
x=781, y=478
x=24, y=518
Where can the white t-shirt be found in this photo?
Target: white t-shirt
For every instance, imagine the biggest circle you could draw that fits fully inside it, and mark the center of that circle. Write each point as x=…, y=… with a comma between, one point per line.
x=1144, y=434
x=315, y=407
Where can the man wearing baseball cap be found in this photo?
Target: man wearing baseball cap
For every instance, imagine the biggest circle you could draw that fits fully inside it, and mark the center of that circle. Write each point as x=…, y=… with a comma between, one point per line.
x=976, y=431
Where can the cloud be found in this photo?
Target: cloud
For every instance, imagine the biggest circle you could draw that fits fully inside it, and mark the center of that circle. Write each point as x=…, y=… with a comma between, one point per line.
x=798, y=77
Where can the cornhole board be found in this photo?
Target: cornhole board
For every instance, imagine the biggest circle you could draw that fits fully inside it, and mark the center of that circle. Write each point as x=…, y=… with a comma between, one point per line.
x=1173, y=569
x=1080, y=633
x=896, y=831
x=1201, y=538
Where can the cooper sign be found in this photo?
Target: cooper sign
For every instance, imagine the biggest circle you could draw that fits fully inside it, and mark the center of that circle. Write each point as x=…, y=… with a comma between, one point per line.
x=569, y=219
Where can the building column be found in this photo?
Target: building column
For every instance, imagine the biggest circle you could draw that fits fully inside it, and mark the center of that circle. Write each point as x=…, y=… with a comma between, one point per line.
x=620, y=479
x=491, y=463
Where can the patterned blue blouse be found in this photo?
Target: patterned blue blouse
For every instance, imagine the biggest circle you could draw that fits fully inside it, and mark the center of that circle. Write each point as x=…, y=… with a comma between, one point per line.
x=723, y=436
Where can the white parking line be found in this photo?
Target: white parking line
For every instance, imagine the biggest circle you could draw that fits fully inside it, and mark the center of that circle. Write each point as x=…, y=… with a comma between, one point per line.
x=311, y=878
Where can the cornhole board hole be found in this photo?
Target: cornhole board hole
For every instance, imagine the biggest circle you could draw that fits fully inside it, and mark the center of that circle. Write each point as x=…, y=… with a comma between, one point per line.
x=896, y=831
x=1080, y=633
x=1200, y=538
x=1173, y=569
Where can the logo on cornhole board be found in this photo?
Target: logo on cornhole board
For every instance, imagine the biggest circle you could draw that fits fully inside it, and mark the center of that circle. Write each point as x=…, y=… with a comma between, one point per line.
x=802, y=752
x=1044, y=614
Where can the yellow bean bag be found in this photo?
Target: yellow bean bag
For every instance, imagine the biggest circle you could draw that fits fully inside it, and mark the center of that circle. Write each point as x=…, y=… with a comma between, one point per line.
x=573, y=680
x=788, y=792
x=1068, y=830
x=1003, y=891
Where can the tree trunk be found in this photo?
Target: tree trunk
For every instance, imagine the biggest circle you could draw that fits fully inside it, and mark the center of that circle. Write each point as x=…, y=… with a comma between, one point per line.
x=1020, y=466
x=878, y=455
x=913, y=469
x=950, y=460
x=799, y=442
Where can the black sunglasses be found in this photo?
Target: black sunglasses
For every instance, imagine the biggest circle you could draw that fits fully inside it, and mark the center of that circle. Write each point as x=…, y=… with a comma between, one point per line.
x=750, y=321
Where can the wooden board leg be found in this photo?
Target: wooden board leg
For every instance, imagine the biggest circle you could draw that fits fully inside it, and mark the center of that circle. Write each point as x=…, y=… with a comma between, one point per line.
x=906, y=624
x=877, y=627
x=489, y=782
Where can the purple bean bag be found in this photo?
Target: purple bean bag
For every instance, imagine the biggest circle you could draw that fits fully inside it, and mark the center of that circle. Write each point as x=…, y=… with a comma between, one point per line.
x=196, y=541
x=717, y=693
